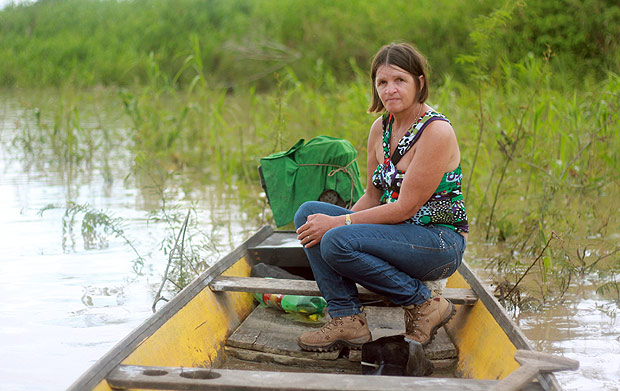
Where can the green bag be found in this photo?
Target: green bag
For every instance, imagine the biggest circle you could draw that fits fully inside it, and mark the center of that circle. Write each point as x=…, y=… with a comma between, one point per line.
x=306, y=172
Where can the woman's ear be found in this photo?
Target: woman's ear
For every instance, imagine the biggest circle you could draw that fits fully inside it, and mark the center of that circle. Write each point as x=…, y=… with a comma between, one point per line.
x=421, y=84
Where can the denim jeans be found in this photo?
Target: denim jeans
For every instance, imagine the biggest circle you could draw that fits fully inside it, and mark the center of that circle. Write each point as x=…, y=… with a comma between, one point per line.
x=391, y=260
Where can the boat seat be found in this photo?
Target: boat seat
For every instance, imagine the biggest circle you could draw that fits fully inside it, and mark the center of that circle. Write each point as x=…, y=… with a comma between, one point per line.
x=310, y=288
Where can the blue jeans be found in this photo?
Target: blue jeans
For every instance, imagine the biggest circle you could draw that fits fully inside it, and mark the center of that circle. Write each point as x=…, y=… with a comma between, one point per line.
x=391, y=260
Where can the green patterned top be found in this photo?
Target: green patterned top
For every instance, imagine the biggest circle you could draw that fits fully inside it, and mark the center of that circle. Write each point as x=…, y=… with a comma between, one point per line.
x=446, y=206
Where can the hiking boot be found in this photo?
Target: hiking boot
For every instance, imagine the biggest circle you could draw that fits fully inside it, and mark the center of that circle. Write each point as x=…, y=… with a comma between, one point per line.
x=423, y=320
x=351, y=331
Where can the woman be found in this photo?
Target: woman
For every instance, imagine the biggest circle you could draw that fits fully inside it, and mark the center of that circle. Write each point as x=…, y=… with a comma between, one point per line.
x=408, y=227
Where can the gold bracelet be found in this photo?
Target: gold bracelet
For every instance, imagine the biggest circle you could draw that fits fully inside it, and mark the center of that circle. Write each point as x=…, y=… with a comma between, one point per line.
x=347, y=219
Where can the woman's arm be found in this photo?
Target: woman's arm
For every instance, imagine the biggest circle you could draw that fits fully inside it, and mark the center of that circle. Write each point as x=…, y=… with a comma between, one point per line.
x=434, y=154
x=315, y=227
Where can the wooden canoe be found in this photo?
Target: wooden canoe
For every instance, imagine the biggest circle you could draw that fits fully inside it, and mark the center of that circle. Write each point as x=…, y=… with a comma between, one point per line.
x=188, y=344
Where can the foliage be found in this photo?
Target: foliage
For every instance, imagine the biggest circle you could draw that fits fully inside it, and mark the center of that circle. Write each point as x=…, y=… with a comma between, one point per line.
x=583, y=34
x=107, y=42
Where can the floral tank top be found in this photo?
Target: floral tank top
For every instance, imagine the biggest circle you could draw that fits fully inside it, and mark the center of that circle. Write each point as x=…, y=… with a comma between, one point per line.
x=446, y=206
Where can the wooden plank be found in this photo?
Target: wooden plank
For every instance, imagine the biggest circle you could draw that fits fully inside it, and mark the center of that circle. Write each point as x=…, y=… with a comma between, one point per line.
x=280, y=249
x=271, y=335
x=533, y=363
x=171, y=378
x=310, y=288
x=294, y=364
x=272, y=331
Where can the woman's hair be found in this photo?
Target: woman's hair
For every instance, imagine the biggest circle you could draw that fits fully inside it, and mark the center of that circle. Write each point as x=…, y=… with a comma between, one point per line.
x=404, y=56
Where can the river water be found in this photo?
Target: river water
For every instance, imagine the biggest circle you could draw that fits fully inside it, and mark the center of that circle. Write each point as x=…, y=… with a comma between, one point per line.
x=63, y=304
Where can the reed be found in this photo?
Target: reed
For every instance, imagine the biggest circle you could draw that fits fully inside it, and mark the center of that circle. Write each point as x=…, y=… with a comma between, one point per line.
x=555, y=150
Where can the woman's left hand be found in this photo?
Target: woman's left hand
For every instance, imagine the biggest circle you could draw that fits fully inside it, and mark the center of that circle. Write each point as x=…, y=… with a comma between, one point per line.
x=311, y=233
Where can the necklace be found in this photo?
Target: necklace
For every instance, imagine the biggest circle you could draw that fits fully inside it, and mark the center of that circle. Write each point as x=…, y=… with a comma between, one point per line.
x=402, y=132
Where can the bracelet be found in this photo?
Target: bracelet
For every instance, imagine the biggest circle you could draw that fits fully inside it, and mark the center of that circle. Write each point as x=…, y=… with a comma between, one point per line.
x=347, y=219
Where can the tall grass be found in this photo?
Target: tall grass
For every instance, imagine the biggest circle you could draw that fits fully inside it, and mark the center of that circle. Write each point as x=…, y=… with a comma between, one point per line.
x=93, y=42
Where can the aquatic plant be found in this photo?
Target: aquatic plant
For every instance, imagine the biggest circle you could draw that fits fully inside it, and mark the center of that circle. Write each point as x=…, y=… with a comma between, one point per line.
x=96, y=227
x=189, y=249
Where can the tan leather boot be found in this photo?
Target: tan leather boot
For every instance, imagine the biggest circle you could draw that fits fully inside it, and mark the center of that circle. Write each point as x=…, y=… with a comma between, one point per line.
x=351, y=331
x=423, y=320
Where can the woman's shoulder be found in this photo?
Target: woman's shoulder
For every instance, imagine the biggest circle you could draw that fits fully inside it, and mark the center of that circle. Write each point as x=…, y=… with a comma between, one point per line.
x=435, y=120
x=377, y=125
x=376, y=131
x=434, y=115
x=438, y=130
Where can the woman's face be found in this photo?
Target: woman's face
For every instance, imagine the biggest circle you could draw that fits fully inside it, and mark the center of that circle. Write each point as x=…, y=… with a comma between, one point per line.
x=396, y=87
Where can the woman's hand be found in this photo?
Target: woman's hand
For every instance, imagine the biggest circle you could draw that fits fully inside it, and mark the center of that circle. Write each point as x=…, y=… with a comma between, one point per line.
x=311, y=233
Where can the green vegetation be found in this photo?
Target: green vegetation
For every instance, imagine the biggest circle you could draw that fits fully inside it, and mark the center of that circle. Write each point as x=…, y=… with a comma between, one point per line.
x=106, y=42
x=210, y=87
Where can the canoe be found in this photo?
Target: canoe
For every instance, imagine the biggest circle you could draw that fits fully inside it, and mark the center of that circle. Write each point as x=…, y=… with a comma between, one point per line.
x=213, y=336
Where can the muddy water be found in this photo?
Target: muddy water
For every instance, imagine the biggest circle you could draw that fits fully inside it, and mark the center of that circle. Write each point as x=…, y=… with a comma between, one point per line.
x=582, y=326
x=62, y=306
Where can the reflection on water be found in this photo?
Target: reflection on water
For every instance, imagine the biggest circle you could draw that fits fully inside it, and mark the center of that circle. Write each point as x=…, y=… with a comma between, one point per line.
x=62, y=309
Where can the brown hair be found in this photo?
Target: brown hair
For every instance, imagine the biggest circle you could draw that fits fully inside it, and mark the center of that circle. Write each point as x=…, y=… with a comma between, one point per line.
x=402, y=55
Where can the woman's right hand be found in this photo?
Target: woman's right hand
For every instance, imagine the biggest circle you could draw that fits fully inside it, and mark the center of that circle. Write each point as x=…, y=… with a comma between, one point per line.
x=311, y=233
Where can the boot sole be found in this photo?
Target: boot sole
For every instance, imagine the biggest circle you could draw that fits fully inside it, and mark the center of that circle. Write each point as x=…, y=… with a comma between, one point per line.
x=439, y=325
x=337, y=344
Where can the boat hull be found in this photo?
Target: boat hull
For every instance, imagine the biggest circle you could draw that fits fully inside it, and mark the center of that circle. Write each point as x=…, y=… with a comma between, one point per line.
x=191, y=330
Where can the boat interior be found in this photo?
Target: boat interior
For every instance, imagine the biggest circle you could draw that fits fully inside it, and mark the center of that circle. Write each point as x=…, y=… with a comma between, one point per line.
x=213, y=336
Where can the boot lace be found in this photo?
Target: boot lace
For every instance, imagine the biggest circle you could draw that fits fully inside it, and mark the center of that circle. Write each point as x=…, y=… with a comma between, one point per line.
x=335, y=322
x=412, y=316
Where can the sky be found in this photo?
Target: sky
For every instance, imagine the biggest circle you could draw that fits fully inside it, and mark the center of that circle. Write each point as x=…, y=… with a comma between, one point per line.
x=4, y=3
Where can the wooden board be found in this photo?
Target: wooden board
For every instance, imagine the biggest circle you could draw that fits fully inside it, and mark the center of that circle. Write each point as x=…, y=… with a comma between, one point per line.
x=175, y=378
x=275, y=332
x=309, y=288
x=288, y=363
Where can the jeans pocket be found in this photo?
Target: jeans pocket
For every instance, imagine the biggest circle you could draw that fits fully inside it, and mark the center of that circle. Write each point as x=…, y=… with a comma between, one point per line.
x=442, y=271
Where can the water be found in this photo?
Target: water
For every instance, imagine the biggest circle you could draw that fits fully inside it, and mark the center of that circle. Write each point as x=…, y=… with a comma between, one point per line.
x=64, y=306
x=49, y=330
x=582, y=329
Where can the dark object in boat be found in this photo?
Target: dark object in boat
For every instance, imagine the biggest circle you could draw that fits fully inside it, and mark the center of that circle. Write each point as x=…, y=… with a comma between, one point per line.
x=395, y=356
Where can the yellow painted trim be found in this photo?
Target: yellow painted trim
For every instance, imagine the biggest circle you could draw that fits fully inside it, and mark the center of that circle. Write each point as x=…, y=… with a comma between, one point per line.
x=102, y=386
x=195, y=335
x=485, y=351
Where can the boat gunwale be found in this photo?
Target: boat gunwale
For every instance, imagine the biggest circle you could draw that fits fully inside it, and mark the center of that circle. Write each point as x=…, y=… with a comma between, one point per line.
x=115, y=356
x=513, y=332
